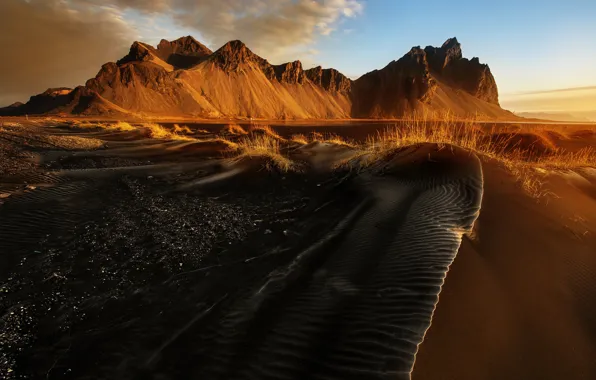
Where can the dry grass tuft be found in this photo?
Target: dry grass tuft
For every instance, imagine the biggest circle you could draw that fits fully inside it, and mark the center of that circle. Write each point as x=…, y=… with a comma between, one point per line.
x=585, y=157
x=316, y=136
x=181, y=129
x=299, y=139
x=529, y=178
x=157, y=131
x=330, y=138
x=233, y=129
x=265, y=146
x=266, y=130
x=526, y=155
x=122, y=126
x=337, y=140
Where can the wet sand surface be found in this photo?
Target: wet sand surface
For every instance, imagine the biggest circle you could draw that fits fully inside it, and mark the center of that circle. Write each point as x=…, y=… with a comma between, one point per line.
x=140, y=258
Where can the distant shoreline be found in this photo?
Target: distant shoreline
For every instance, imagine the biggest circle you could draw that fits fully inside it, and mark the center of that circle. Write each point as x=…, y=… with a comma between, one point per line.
x=176, y=120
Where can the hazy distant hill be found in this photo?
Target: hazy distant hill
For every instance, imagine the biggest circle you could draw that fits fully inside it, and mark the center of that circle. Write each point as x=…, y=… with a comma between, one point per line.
x=185, y=78
x=556, y=116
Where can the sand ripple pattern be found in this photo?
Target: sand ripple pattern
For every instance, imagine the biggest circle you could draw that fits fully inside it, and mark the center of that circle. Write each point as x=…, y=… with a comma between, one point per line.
x=52, y=206
x=357, y=304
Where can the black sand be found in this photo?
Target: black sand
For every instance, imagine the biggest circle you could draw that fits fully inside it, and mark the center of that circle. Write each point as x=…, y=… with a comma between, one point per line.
x=125, y=262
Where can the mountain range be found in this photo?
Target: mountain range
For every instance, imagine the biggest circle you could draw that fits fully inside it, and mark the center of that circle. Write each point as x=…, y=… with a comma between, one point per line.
x=184, y=78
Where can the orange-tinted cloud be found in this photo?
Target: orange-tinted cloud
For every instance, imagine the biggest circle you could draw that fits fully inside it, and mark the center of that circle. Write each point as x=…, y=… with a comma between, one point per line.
x=276, y=29
x=53, y=43
x=49, y=43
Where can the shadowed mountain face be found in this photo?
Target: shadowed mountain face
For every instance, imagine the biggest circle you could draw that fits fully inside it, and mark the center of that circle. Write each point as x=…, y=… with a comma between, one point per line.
x=396, y=89
x=183, y=53
x=434, y=79
x=185, y=78
x=448, y=64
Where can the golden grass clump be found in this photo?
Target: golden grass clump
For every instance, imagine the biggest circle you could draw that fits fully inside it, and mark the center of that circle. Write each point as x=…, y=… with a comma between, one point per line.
x=417, y=131
x=316, y=136
x=527, y=155
x=121, y=126
x=233, y=129
x=529, y=178
x=467, y=134
x=299, y=139
x=157, y=131
x=267, y=130
x=330, y=138
x=585, y=157
x=181, y=129
x=337, y=140
x=265, y=146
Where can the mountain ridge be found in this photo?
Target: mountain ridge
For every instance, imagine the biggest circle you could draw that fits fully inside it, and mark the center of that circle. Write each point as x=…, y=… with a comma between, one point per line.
x=185, y=78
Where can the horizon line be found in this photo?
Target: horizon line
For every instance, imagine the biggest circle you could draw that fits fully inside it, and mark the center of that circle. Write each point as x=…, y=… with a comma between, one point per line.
x=555, y=90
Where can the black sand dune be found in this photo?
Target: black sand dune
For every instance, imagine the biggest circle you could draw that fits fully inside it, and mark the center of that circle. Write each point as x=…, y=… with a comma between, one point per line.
x=148, y=259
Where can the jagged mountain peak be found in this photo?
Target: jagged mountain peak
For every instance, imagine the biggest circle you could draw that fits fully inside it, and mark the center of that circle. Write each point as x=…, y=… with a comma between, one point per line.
x=139, y=52
x=235, y=53
x=450, y=43
x=329, y=79
x=187, y=45
x=183, y=52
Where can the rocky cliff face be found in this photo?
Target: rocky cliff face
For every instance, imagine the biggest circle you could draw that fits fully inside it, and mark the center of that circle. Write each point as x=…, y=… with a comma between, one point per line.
x=183, y=77
x=233, y=55
x=112, y=75
x=182, y=53
x=439, y=58
x=475, y=78
x=394, y=90
x=410, y=84
x=139, y=52
x=329, y=79
x=290, y=72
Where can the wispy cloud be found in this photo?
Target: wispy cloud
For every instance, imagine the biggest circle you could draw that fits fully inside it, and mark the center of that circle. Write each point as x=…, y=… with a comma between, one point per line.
x=577, y=99
x=272, y=28
x=570, y=89
x=51, y=43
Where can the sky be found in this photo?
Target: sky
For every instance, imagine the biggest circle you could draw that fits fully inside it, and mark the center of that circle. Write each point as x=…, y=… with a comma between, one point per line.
x=542, y=53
